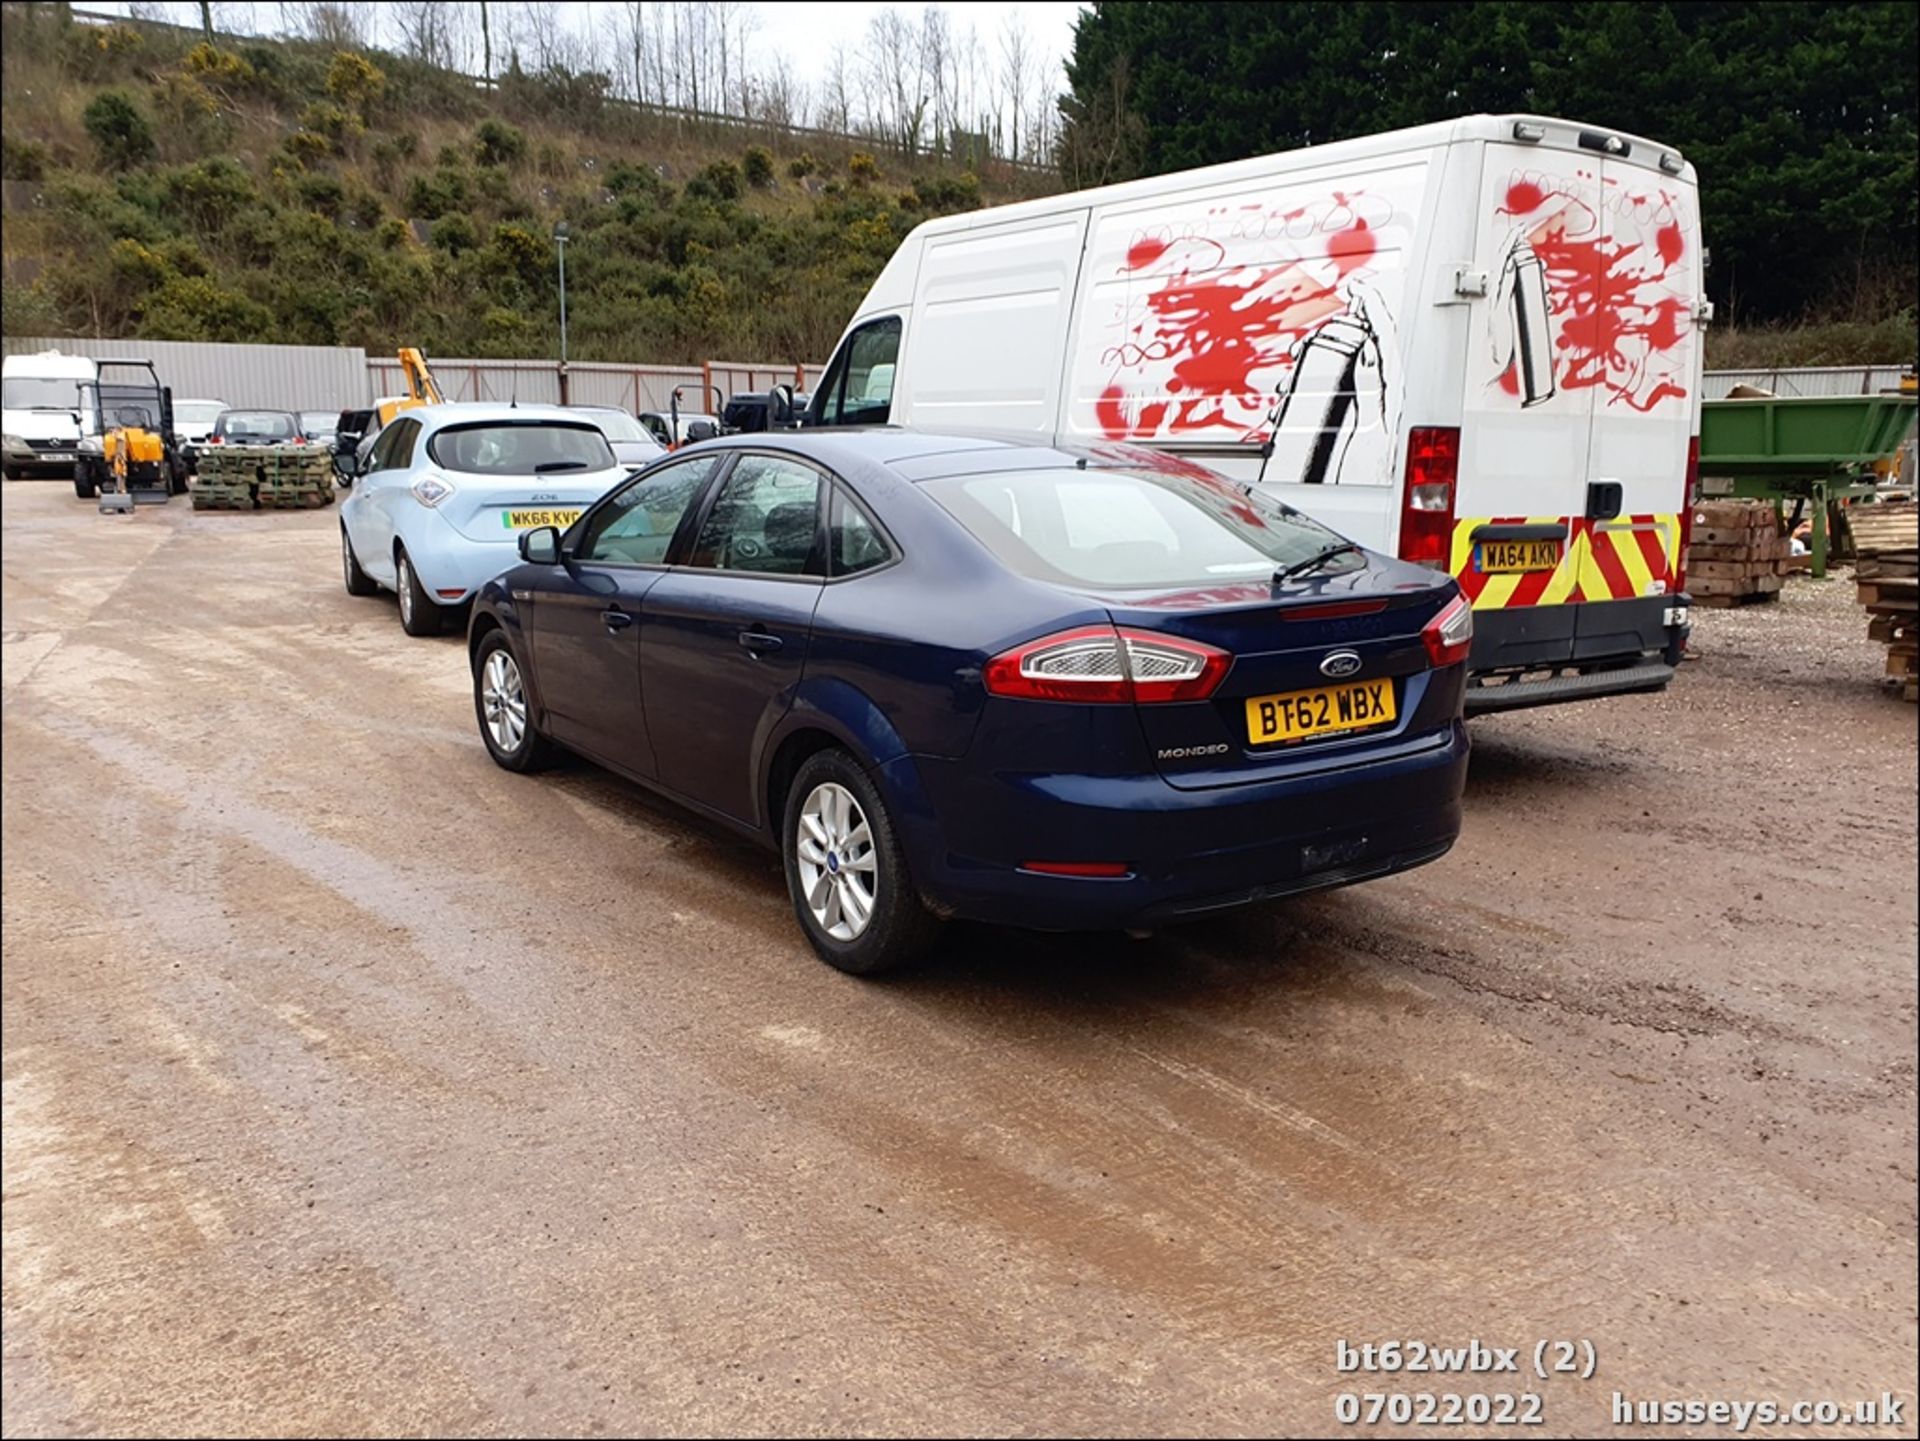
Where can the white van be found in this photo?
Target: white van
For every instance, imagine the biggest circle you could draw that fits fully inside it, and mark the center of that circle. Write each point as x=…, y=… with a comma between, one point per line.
x=43, y=423
x=1475, y=344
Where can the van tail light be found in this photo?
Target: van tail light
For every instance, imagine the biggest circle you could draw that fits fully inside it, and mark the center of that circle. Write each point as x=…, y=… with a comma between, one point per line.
x=1101, y=664
x=1686, y=516
x=1426, y=507
x=1449, y=635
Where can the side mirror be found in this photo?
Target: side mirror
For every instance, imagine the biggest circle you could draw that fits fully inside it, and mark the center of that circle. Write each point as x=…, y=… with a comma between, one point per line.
x=346, y=465
x=701, y=430
x=780, y=407
x=541, y=546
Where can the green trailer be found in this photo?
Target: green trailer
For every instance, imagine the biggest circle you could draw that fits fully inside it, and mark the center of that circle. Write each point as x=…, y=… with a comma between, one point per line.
x=1817, y=450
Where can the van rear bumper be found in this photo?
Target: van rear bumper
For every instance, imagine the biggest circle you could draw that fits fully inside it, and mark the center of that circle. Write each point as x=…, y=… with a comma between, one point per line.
x=1546, y=655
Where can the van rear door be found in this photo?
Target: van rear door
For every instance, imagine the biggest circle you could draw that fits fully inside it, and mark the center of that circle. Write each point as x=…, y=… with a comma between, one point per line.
x=1528, y=412
x=1645, y=373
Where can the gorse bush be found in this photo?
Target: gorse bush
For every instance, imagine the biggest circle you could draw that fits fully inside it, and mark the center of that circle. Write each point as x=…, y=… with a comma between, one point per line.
x=120, y=132
x=302, y=194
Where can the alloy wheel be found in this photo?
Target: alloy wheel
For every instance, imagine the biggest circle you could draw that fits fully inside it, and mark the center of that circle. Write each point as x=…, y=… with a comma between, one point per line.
x=503, y=702
x=834, y=852
x=405, y=587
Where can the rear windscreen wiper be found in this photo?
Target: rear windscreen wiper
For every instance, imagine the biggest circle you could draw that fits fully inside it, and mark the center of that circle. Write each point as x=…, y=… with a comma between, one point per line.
x=547, y=465
x=1313, y=562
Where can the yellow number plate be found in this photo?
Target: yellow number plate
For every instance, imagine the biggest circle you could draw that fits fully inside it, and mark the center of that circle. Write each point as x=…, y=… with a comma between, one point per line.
x=1507, y=556
x=1310, y=714
x=534, y=519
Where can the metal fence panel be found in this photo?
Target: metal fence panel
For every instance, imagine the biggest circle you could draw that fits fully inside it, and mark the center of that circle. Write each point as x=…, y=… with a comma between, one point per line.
x=1806, y=380
x=277, y=377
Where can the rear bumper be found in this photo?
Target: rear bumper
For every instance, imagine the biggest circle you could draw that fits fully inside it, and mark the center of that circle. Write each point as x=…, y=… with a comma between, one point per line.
x=1546, y=655
x=1188, y=852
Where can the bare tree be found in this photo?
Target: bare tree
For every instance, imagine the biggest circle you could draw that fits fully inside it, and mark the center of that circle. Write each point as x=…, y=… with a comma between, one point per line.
x=1016, y=77
x=425, y=29
x=632, y=28
x=836, y=99
x=486, y=44
x=936, y=48
x=897, y=98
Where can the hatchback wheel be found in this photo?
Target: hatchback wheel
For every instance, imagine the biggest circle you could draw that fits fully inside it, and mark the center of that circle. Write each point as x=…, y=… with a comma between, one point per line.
x=358, y=581
x=846, y=872
x=500, y=703
x=418, y=613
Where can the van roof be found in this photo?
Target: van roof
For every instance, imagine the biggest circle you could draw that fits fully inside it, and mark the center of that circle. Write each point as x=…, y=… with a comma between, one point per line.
x=1559, y=134
x=50, y=363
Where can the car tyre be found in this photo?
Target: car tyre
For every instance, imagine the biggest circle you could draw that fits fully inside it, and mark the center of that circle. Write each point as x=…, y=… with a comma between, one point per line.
x=500, y=705
x=419, y=612
x=86, y=484
x=847, y=871
x=358, y=581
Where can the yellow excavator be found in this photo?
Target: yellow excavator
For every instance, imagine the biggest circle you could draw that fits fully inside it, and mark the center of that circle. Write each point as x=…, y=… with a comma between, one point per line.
x=130, y=453
x=357, y=425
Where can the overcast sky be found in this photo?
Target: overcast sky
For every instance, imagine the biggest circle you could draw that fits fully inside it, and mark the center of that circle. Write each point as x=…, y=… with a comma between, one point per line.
x=804, y=30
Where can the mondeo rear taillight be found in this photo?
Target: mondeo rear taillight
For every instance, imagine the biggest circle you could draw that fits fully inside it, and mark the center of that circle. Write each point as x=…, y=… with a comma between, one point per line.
x=1449, y=635
x=1426, y=508
x=1100, y=664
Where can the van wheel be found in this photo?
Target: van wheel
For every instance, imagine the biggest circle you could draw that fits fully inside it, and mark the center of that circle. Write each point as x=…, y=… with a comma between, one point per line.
x=846, y=870
x=85, y=484
x=419, y=615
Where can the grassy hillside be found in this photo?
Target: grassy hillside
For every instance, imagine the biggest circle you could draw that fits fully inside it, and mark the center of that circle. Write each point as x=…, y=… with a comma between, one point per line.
x=286, y=192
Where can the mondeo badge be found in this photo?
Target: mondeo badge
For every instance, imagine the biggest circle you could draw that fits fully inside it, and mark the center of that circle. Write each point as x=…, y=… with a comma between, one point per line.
x=1340, y=663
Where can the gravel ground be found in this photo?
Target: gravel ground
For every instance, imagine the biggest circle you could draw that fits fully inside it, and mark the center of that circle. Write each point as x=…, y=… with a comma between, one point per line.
x=353, y=1085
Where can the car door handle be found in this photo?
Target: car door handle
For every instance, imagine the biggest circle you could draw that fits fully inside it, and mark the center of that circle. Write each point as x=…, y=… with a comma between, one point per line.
x=759, y=640
x=616, y=619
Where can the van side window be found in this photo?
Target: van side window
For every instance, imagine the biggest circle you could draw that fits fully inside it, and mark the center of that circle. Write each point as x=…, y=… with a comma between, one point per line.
x=859, y=389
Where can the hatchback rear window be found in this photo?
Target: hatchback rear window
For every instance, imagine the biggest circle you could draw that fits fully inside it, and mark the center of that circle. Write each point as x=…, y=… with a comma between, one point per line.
x=256, y=425
x=520, y=448
x=1120, y=528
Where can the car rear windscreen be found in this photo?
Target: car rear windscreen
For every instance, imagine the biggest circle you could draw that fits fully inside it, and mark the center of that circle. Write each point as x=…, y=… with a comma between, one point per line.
x=520, y=448
x=1119, y=528
x=249, y=425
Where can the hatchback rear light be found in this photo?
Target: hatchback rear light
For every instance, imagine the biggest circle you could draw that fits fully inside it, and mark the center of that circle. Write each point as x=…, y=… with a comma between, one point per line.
x=1686, y=515
x=1100, y=664
x=1449, y=635
x=1426, y=508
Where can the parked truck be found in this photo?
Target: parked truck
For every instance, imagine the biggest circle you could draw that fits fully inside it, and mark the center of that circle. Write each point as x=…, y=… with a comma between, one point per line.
x=1475, y=344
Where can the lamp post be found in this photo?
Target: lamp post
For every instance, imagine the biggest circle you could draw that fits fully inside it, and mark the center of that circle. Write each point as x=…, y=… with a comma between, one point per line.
x=560, y=245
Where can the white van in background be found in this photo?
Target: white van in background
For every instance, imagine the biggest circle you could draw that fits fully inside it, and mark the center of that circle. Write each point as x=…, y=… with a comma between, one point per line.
x=43, y=422
x=1475, y=344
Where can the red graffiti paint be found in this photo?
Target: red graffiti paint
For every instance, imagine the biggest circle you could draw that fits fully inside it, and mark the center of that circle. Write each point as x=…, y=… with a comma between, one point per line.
x=1613, y=289
x=1523, y=197
x=1351, y=247
x=1671, y=243
x=1510, y=379
x=1144, y=251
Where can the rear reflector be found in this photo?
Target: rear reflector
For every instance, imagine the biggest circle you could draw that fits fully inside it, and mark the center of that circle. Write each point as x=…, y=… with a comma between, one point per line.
x=1426, y=507
x=1449, y=635
x=1099, y=664
x=1109, y=870
x=454, y=594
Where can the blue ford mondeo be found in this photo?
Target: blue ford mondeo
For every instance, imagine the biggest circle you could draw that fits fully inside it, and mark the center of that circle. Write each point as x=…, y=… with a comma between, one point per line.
x=954, y=676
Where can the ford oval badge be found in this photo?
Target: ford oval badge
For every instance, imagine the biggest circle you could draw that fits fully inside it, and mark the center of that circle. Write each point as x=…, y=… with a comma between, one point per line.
x=1340, y=663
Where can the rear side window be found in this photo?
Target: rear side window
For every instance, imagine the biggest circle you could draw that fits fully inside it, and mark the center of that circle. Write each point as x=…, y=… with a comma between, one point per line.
x=1118, y=528
x=520, y=448
x=854, y=542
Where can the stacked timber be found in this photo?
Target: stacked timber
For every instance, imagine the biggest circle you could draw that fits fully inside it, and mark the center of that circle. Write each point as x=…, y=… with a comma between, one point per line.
x=1886, y=540
x=1737, y=554
x=271, y=477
